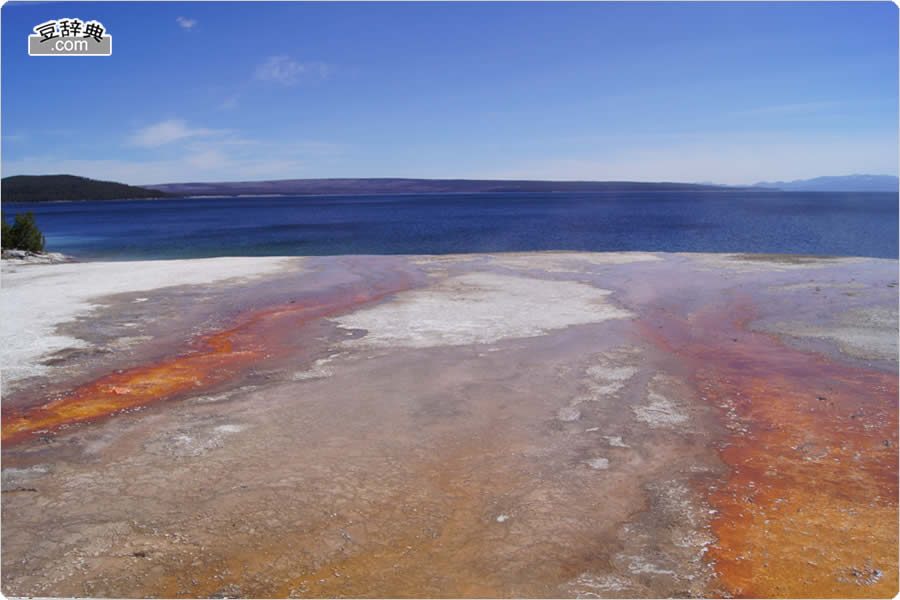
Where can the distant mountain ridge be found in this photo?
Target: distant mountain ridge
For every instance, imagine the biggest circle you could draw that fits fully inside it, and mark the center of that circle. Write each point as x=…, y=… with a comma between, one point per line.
x=301, y=187
x=840, y=183
x=54, y=188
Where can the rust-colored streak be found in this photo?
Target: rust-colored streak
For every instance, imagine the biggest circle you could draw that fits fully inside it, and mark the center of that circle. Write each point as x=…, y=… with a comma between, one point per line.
x=810, y=508
x=213, y=359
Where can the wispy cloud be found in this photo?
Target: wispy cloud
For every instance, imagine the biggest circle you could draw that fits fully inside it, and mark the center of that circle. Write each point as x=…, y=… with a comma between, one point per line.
x=738, y=159
x=287, y=71
x=166, y=132
x=229, y=103
x=13, y=138
x=223, y=157
x=194, y=167
x=316, y=148
x=208, y=159
x=777, y=109
x=185, y=23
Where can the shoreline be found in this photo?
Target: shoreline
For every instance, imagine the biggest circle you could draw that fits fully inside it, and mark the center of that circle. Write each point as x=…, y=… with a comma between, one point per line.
x=15, y=256
x=725, y=189
x=58, y=257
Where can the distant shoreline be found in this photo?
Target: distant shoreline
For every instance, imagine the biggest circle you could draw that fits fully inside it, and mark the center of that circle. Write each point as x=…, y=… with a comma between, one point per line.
x=381, y=186
x=58, y=188
x=395, y=194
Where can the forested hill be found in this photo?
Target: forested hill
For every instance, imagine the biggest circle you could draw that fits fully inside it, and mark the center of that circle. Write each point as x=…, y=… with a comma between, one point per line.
x=299, y=187
x=50, y=188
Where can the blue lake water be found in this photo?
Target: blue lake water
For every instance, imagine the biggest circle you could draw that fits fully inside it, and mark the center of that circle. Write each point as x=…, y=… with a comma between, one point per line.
x=854, y=224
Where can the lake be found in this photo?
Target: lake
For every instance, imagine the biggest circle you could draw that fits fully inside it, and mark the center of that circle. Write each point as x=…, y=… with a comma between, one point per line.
x=854, y=224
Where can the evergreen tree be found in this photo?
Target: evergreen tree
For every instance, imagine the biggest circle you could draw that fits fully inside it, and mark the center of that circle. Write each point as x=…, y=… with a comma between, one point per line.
x=6, y=235
x=24, y=234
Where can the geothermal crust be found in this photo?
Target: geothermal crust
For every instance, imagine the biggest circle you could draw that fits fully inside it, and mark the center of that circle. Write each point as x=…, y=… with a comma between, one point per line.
x=554, y=424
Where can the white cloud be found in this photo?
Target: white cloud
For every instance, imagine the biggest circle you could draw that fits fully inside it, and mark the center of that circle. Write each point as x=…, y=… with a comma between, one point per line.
x=166, y=132
x=286, y=71
x=186, y=23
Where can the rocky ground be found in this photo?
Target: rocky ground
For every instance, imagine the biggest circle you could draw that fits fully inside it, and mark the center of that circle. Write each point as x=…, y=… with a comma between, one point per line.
x=27, y=257
x=530, y=425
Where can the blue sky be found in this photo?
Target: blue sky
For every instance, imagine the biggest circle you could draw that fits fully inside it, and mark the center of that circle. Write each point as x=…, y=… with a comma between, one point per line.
x=208, y=91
